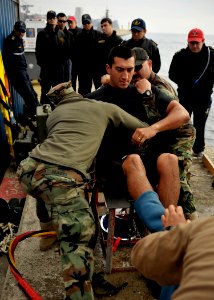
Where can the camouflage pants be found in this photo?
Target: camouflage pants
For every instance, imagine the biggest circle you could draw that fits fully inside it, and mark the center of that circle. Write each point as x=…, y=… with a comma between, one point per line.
x=71, y=217
x=183, y=149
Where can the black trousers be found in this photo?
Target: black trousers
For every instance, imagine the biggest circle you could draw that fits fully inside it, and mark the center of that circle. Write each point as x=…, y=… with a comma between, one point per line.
x=52, y=75
x=200, y=112
x=87, y=75
x=74, y=75
x=22, y=84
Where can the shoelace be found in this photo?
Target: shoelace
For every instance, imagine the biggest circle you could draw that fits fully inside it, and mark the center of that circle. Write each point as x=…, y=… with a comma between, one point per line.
x=7, y=233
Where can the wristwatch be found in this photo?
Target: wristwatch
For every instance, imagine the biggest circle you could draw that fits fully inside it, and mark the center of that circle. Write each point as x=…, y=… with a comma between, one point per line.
x=147, y=93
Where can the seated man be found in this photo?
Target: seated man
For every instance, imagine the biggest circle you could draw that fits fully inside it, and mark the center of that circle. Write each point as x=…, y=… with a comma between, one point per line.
x=162, y=111
x=184, y=138
x=183, y=256
x=161, y=169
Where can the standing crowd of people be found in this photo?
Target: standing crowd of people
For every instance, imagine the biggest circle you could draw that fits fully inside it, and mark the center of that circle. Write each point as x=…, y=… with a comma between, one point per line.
x=133, y=113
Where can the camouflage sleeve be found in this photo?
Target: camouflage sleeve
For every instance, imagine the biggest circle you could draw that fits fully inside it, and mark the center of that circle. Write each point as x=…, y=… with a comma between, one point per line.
x=163, y=84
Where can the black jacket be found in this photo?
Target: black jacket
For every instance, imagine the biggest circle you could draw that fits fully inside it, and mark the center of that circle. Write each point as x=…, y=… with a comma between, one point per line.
x=86, y=47
x=105, y=44
x=75, y=31
x=53, y=46
x=151, y=48
x=13, y=54
x=186, y=68
x=65, y=44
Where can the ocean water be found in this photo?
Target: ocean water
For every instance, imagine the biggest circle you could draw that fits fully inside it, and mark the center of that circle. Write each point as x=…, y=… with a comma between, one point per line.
x=168, y=44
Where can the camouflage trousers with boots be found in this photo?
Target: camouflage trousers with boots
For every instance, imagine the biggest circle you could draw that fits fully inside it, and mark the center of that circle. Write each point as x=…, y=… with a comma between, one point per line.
x=183, y=149
x=62, y=190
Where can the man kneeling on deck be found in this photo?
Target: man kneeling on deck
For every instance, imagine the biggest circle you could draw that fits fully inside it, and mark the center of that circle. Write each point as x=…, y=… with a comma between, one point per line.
x=57, y=171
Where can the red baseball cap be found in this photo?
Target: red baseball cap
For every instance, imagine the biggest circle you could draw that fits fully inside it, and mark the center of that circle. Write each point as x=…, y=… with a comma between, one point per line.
x=195, y=35
x=72, y=18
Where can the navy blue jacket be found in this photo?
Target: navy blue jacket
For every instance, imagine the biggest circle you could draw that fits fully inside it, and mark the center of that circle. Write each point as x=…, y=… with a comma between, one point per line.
x=105, y=44
x=151, y=48
x=14, y=57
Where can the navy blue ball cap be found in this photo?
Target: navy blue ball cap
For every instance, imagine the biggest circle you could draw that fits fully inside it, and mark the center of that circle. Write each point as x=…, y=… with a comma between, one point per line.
x=20, y=26
x=86, y=18
x=138, y=24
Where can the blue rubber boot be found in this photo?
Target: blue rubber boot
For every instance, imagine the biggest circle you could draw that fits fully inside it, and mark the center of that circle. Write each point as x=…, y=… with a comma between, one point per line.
x=149, y=209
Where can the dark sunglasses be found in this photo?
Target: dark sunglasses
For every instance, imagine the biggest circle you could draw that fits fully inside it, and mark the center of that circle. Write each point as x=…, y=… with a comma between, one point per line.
x=137, y=68
x=62, y=21
x=69, y=22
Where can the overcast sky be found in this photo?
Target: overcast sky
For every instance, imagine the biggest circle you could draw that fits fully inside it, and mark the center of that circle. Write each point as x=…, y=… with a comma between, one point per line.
x=166, y=16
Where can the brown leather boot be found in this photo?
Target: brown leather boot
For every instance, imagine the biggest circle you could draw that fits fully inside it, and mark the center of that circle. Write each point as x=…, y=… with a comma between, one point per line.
x=47, y=242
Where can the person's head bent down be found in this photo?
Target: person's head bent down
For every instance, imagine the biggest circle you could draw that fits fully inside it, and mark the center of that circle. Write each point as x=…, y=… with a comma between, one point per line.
x=57, y=93
x=120, y=66
x=195, y=40
x=143, y=64
x=138, y=29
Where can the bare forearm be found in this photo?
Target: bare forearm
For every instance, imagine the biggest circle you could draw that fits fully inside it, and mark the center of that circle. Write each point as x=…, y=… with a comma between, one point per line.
x=177, y=115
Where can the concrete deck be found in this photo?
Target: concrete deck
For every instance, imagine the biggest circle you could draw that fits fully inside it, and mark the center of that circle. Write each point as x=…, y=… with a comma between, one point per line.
x=42, y=270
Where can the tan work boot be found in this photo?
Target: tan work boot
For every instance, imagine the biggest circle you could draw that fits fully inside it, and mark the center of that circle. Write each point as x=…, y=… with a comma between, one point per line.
x=47, y=242
x=192, y=216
